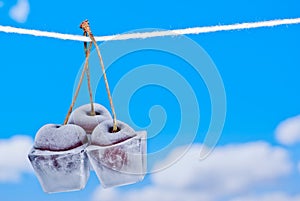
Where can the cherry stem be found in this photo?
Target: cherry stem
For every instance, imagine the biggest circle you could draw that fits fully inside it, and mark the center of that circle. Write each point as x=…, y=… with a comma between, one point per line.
x=79, y=84
x=86, y=27
x=89, y=78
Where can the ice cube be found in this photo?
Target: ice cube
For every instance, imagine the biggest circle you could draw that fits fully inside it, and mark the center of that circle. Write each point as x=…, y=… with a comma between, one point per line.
x=60, y=171
x=120, y=163
x=59, y=157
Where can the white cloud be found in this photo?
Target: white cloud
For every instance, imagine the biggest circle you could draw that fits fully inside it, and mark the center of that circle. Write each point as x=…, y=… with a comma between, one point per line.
x=288, y=131
x=13, y=160
x=228, y=172
x=277, y=196
x=20, y=11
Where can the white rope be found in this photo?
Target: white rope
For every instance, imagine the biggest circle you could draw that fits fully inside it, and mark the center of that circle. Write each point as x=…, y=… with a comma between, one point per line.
x=142, y=35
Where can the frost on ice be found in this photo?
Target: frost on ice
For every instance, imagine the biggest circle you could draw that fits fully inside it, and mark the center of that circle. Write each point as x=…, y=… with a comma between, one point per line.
x=59, y=158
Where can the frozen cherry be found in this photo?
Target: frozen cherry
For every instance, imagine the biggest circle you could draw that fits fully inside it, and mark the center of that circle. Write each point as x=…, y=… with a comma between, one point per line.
x=103, y=134
x=59, y=159
x=54, y=137
x=82, y=117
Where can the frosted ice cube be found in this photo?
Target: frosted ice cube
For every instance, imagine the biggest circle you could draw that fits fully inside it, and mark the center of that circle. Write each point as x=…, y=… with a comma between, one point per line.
x=122, y=163
x=60, y=171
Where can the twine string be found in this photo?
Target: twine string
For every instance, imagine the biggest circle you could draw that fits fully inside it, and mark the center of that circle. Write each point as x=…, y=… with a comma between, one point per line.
x=86, y=27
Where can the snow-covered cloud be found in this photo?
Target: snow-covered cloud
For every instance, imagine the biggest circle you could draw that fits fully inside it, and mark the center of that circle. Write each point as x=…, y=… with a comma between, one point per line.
x=288, y=131
x=13, y=158
x=228, y=172
x=20, y=11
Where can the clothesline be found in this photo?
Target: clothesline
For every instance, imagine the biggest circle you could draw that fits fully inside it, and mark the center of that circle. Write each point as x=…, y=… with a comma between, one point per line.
x=143, y=35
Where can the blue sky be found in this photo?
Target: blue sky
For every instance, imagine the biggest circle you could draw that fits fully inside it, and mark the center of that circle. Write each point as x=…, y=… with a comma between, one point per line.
x=259, y=69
